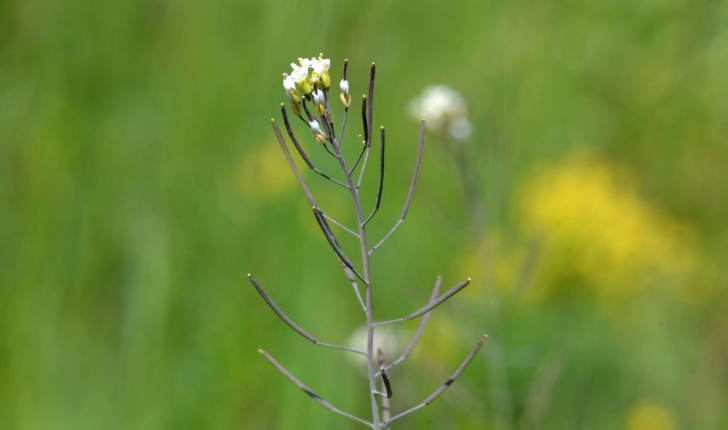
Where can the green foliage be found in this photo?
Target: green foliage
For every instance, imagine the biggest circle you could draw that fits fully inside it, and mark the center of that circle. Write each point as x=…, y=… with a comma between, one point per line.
x=129, y=216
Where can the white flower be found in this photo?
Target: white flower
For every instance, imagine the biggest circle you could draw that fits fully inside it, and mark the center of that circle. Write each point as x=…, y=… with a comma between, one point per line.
x=289, y=84
x=300, y=75
x=320, y=68
x=320, y=65
x=303, y=64
x=442, y=107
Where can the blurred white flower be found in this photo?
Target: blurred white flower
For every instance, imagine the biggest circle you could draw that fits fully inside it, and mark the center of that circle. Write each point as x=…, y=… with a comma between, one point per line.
x=443, y=109
x=385, y=338
x=460, y=129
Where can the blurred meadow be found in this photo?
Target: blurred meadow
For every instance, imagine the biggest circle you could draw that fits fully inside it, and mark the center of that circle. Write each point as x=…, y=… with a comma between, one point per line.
x=140, y=182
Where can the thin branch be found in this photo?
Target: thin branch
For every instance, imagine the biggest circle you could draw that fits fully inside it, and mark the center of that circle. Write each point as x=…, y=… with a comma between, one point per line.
x=363, y=148
x=411, y=190
x=326, y=147
x=310, y=393
x=432, y=305
x=290, y=323
x=300, y=150
x=328, y=109
x=345, y=228
x=328, y=130
x=284, y=147
x=332, y=241
x=352, y=278
x=447, y=383
x=343, y=125
x=367, y=150
x=381, y=176
x=310, y=116
x=367, y=274
x=420, y=329
x=312, y=119
x=348, y=272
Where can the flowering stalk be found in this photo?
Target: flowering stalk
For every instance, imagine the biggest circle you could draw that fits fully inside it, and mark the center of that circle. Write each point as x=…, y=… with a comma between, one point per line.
x=315, y=89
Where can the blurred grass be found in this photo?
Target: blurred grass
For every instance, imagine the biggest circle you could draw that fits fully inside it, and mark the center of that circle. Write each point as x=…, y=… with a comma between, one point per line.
x=129, y=217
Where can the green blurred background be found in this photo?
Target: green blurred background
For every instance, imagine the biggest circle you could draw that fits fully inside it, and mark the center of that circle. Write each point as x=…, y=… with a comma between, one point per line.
x=140, y=182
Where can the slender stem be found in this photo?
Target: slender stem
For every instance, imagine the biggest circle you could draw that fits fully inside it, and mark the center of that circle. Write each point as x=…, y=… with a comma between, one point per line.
x=300, y=150
x=329, y=151
x=432, y=305
x=411, y=190
x=290, y=322
x=334, y=244
x=343, y=348
x=352, y=278
x=363, y=149
x=343, y=125
x=310, y=116
x=367, y=280
x=367, y=150
x=447, y=383
x=331, y=123
x=293, y=166
x=350, y=273
x=310, y=393
x=381, y=177
x=345, y=228
x=324, y=123
x=420, y=328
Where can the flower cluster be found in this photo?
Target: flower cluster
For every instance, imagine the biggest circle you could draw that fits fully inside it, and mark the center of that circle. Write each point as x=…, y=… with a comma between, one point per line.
x=310, y=79
x=445, y=109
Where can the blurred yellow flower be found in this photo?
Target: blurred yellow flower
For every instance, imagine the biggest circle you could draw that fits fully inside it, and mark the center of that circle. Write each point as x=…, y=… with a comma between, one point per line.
x=595, y=227
x=650, y=416
x=263, y=173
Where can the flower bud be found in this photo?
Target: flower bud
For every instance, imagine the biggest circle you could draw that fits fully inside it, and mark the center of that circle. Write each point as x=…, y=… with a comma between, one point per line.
x=319, y=100
x=289, y=84
x=317, y=133
x=345, y=97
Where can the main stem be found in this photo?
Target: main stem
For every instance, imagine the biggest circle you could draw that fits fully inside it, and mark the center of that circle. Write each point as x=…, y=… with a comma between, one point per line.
x=367, y=278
